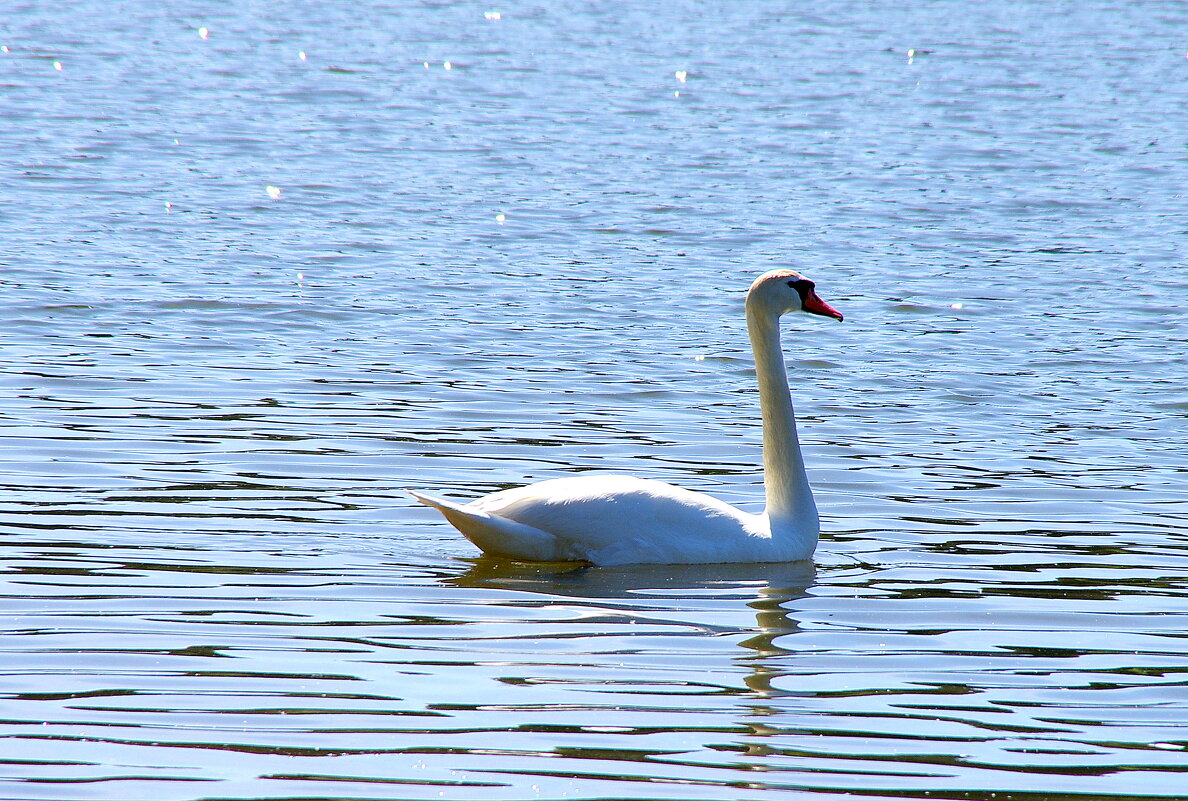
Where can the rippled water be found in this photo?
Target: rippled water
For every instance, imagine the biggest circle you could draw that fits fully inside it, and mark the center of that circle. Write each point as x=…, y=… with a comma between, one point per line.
x=531, y=264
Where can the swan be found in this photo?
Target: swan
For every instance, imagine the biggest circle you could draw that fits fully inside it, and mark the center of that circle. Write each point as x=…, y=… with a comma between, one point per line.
x=621, y=520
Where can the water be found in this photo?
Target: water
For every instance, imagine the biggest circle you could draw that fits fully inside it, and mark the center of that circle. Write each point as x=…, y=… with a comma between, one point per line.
x=531, y=264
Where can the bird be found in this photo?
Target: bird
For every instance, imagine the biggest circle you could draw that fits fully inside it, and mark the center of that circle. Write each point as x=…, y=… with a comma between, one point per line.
x=610, y=519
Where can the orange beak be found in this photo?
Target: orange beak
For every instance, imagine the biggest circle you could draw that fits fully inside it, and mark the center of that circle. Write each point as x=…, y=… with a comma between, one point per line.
x=814, y=305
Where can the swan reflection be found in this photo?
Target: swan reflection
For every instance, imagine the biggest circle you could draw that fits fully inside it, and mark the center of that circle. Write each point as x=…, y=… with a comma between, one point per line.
x=745, y=601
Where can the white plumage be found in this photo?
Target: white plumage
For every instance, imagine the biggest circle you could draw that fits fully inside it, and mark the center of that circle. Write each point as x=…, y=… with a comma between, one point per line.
x=618, y=520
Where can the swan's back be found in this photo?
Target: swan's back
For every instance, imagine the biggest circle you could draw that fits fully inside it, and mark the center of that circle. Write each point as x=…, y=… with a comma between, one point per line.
x=622, y=520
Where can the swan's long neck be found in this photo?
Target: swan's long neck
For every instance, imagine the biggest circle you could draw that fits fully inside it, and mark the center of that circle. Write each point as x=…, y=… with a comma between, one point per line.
x=789, y=499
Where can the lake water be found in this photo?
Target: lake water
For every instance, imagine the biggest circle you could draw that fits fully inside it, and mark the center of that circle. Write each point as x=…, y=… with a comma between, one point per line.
x=264, y=266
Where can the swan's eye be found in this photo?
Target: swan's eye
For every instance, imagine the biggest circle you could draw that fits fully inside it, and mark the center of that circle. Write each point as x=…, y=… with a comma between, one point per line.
x=803, y=288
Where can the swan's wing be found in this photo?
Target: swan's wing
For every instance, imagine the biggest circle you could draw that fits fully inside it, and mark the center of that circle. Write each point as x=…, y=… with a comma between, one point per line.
x=612, y=520
x=497, y=535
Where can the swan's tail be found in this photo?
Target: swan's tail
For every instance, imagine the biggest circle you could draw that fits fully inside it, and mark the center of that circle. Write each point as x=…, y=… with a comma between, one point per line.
x=497, y=535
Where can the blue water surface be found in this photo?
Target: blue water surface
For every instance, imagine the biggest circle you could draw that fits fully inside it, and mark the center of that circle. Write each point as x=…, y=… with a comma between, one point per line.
x=265, y=266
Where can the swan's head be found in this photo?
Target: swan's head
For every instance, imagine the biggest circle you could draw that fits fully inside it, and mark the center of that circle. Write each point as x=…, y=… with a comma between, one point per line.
x=781, y=291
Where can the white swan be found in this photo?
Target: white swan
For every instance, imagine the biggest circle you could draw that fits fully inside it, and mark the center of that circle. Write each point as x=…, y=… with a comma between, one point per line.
x=618, y=520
